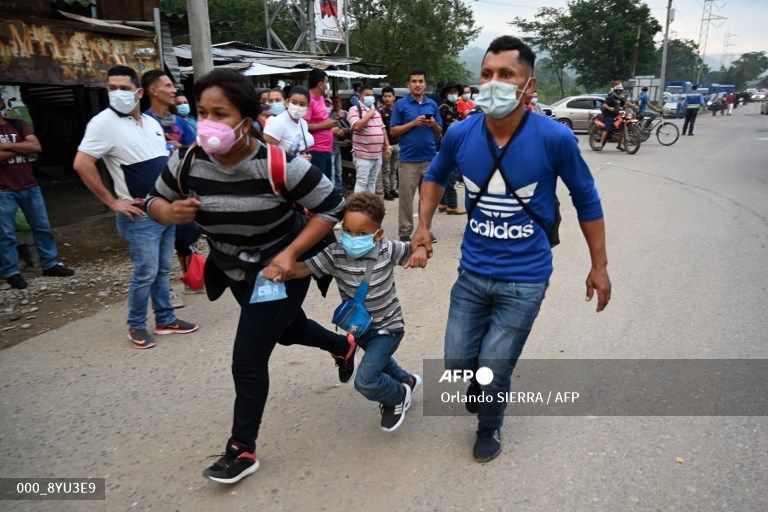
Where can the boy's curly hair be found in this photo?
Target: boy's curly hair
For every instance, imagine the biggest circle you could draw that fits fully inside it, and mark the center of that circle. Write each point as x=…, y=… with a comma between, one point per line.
x=368, y=203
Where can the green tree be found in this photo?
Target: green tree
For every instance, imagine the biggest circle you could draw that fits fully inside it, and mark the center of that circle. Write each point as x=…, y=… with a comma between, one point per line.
x=243, y=21
x=682, y=60
x=746, y=68
x=403, y=34
x=548, y=34
x=609, y=39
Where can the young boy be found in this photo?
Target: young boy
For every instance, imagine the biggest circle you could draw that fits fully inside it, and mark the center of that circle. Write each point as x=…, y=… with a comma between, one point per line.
x=379, y=378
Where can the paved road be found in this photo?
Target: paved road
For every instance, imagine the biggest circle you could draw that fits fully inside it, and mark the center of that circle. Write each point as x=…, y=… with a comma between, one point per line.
x=687, y=249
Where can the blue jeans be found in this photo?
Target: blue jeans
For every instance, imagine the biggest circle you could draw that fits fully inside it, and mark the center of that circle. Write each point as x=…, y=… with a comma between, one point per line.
x=322, y=161
x=488, y=324
x=31, y=202
x=151, y=246
x=379, y=377
x=366, y=171
x=336, y=167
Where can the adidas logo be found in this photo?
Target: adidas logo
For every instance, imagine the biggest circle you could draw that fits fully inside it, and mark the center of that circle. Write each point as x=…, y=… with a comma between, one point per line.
x=503, y=231
x=497, y=201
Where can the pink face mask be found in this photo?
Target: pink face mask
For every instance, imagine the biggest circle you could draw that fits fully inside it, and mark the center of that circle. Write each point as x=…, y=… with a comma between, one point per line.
x=216, y=138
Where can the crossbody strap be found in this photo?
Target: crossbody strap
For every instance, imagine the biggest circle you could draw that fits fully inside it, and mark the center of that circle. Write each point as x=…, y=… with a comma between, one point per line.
x=362, y=290
x=497, y=157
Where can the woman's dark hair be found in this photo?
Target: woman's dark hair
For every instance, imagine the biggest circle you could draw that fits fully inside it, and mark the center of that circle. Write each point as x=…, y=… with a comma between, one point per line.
x=368, y=204
x=299, y=89
x=236, y=87
x=509, y=43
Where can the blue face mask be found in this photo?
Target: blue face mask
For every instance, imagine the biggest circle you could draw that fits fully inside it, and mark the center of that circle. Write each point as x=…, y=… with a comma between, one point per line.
x=498, y=99
x=368, y=101
x=277, y=108
x=357, y=246
x=183, y=109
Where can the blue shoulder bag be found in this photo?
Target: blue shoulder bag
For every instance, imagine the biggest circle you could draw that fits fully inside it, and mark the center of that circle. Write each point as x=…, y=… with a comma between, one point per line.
x=351, y=314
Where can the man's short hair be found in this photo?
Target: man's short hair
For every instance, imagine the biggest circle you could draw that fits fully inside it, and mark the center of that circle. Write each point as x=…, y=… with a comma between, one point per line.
x=151, y=77
x=315, y=77
x=365, y=88
x=356, y=86
x=387, y=89
x=125, y=71
x=368, y=204
x=644, y=89
x=509, y=43
x=417, y=72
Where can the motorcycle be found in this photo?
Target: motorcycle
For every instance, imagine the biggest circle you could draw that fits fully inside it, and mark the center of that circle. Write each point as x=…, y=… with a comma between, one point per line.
x=626, y=131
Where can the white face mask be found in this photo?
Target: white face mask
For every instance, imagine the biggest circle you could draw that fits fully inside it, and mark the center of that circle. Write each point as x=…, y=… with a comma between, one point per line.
x=465, y=96
x=296, y=112
x=498, y=99
x=534, y=100
x=123, y=101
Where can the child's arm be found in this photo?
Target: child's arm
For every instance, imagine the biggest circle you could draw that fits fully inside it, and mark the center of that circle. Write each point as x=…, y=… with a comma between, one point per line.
x=275, y=273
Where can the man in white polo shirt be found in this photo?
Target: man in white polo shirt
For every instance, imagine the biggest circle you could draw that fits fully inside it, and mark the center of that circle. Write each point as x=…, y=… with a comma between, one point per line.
x=369, y=138
x=133, y=148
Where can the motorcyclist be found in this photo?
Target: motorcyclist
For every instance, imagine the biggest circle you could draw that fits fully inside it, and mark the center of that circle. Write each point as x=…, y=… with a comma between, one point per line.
x=611, y=106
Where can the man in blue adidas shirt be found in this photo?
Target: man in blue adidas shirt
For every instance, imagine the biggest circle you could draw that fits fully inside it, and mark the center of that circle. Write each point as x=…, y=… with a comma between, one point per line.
x=506, y=259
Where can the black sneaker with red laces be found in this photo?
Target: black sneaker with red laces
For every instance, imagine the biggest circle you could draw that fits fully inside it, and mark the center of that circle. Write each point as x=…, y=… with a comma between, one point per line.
x=346, y=361
x=237, y=462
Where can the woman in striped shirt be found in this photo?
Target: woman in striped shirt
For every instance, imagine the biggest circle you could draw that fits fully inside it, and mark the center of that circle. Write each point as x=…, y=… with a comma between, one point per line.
x=248, y=225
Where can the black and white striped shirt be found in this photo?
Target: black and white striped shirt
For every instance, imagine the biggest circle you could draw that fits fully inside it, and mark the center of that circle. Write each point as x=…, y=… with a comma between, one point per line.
x=240, y=212
x=381, y=302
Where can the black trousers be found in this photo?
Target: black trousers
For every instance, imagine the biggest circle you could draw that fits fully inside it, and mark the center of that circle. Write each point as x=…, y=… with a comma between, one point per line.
x=260, y=328
x=690, y=119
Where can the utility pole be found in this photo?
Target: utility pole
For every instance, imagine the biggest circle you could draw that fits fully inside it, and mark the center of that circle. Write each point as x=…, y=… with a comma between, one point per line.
x=636, y=52
x=664, y=48
x=200, y=37
x=706, y=18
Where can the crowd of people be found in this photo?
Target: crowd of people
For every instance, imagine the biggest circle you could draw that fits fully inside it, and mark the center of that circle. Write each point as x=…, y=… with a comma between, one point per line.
x=263, y=184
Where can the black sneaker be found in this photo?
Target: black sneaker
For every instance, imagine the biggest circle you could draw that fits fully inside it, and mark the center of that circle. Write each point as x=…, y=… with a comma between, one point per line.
x=392, y=416
x=395, y=194
x=414, y=382
x=346, y=362
x=235, y=463
x=16, y=281
x=388, y=196
x=405, y=238
x=487, y=445
x=473, y=397
x=58, y=270
x=434, y=240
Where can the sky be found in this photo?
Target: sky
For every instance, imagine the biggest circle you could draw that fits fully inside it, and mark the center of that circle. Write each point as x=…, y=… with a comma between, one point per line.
x=746, y=19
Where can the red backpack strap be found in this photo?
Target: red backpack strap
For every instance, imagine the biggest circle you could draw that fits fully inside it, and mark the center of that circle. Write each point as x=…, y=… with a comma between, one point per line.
x=277, y=165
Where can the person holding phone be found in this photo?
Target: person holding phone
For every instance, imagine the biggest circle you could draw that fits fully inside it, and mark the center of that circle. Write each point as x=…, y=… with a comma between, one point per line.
x=417, y=123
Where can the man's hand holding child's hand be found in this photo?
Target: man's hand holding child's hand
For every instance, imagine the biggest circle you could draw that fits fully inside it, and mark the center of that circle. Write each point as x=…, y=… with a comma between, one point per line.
x=418, y=259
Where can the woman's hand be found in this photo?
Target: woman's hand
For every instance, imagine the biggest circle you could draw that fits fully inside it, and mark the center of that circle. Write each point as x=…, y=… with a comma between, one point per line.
x=286, y=262
x=273, y=273
x=184, y=211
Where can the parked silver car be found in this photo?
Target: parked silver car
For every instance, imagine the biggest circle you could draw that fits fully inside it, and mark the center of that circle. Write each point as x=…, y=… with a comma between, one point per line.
x=574, y=111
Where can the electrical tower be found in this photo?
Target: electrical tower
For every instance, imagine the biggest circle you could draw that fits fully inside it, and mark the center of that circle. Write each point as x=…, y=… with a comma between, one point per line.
x=303, y=13
x=706, y=18
x=726, y=43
